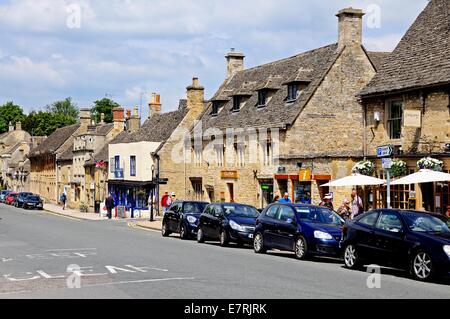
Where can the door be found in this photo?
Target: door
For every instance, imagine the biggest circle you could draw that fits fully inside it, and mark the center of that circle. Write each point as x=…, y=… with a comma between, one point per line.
x=285, y=230
x=231, y=191
x=389, y=238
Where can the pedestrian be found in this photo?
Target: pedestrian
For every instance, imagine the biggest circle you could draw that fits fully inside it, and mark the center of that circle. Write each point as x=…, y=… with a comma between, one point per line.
x=276, y=199
x=63, y=200
x=344, y=211
x=448, y=211
x=166, y=201
x=110, y=205
x=285, y=199
x=357, y=204
x=327, y=202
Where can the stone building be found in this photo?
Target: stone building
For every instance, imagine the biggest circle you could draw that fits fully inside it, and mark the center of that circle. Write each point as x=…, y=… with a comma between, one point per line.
x=297, y=124
x=74, y=177
x=407, y=105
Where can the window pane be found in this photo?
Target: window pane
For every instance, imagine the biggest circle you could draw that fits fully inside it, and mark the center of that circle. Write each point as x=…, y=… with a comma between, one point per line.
x=389, y=222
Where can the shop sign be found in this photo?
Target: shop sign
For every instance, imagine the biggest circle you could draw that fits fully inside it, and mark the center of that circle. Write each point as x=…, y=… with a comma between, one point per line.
x=305, y=175
x=229, y=175
x=412, y=118
x=265, y=187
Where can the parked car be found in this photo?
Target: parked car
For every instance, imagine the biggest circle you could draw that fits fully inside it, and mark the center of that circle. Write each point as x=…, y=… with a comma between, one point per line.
x=182, y=218
x=415, y=241
x=18, y=202
x=3, y=195
x=10, y=198
x=227, y=222
x=33, y=202
x=304, y=229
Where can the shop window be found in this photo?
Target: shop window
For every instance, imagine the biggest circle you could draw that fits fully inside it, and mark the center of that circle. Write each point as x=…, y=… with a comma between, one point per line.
x=443, y=196
x=394, y=119
x=400, y=194
x=303, y=192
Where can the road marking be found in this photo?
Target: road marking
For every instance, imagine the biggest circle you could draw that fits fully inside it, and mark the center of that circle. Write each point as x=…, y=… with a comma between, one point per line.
x=64, y=216
x=138, y=281
x=72, y=249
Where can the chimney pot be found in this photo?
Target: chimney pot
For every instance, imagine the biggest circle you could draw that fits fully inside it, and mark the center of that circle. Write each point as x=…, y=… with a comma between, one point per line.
x=350, y=27
x=85, y=117
x=102, y=118
x=18, y=126
x=195, y=95
x=155, y=105
x=11, y=127
x=235, y=62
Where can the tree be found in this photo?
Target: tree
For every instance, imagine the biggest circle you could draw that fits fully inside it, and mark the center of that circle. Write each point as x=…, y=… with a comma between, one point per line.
x=105, y=106
x=65, y=107
x=44, y=123
x=10, y=112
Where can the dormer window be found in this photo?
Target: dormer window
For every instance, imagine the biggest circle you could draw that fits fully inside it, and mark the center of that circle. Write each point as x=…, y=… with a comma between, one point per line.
x=237, y=100
x=292, y=92
x=262, y=98
x=215, y=108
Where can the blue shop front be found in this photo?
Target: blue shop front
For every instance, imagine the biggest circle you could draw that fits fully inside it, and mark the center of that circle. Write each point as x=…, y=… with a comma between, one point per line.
x=132, y=198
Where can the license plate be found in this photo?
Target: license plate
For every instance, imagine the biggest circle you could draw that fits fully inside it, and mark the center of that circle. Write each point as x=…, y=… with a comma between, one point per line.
x=250, y=236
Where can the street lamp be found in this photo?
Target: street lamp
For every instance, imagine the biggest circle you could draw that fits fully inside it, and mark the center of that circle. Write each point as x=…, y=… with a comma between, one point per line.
x=152, y=218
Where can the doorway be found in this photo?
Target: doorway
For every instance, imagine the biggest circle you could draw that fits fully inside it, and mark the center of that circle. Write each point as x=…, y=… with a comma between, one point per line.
x=231, y=191
x=428, y=197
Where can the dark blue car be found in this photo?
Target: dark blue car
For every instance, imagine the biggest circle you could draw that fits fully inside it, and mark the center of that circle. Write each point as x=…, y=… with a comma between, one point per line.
x=415, y=241
x=182, y=218
x=304, y=229
x=227, y=222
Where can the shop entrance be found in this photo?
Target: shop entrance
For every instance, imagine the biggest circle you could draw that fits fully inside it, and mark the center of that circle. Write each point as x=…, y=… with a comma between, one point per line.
x=266, y=193
x=302, y=192
x=428, y=197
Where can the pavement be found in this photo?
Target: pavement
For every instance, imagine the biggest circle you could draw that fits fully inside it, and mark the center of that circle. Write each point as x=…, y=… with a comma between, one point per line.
x=46, y=256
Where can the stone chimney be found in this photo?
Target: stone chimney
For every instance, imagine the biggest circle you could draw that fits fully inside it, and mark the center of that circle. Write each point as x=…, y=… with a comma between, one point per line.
x=118, y=118
x=155, y=105
x=18, y=126
x=85, y=117
x=11, y=127
x=195, y=96
x=235, y=62
x=102, y=118
x=134, y=120
x=350, y=27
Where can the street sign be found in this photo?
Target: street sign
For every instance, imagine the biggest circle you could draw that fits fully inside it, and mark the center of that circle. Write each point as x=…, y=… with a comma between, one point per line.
x=385, y=151
x=386, y=163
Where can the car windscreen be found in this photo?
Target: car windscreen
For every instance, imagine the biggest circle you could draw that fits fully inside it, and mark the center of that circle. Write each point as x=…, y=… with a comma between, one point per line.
x=240, y=211
x=194, y=208
x=424, y=223
x=319, y=215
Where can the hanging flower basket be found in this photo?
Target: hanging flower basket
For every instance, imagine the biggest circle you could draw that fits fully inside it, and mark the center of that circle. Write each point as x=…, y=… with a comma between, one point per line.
x=364, y=168
x=399, y=168
x=430, y=163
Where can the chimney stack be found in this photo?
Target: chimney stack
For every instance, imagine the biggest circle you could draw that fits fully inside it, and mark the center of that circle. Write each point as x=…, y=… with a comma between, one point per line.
x=350, y=27
x=85, y=117
x=102, y=118
x=155, y=105
x=18, y=126
x=235, y=62
x=134, y=120
x=118, y=118
x=11, y=127
x=195, y=96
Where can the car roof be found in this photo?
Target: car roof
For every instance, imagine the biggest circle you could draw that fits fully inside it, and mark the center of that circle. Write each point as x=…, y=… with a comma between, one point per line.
x=299, y=205
x=405, y=211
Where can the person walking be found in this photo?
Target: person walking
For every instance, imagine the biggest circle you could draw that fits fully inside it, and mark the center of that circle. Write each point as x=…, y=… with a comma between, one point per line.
x=357, y=204
x=110, y=205
x=63, y=200
x=166, y=201
x=285, y=199
x=344, y=211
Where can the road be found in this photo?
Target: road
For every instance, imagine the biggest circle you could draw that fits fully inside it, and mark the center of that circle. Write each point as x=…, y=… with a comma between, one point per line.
x=119, y=261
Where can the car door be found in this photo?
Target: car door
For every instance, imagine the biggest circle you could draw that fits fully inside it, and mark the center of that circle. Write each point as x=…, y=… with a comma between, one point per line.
x=170, y=216
x=364, y=234
x=284, y=228
x=269, y=225
x=390, y=243
x=205, y=220
x=215, y=222
x=177, y=216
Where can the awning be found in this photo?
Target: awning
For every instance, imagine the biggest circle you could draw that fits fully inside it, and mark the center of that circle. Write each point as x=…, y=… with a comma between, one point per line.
x=355, y=180
x=423, y=176
x=132, y=183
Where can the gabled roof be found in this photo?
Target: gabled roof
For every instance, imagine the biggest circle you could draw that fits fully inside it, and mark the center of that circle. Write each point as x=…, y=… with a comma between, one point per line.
x=55, y=140
x=310, y=68
x=422, y=58
x=157, y=128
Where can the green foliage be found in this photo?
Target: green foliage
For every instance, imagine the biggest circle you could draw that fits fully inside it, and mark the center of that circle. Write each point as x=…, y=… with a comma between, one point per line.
x=44, y=123
x=105, y=106
x=10, y=112
x=64, y=107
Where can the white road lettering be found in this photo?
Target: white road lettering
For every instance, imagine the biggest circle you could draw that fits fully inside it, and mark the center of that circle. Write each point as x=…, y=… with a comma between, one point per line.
x=113, y=269
x=9, y=278
x=47, y=276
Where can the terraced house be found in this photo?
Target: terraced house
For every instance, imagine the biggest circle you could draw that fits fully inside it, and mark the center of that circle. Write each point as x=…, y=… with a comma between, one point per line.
x=298, y=116
x=407, y=104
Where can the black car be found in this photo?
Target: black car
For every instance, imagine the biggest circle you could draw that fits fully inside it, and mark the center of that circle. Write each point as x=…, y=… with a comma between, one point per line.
x=415, y=241
x=18, y=201
x=227, y=222
x=304, y=229
x=33, y=202
x=182, y=218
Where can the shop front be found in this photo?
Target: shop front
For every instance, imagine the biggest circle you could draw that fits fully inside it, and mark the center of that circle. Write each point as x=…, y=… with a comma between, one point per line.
x=132, y=196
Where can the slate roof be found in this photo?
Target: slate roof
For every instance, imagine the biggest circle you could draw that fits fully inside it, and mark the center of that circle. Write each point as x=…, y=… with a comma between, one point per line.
x=157, y=128
x=309, y=67
x=422, y=58
x=55, y=140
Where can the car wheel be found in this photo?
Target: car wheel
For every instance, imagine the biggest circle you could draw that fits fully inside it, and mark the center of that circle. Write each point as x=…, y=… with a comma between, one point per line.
x=351, y=257
x=422, y=266
x=164, y=231
x=200, y=236
x=183, y=232
x=258, y=244
x=301, y=248
x=224, y=238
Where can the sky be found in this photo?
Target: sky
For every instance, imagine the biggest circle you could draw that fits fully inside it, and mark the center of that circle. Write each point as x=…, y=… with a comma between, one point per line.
x=127, y=49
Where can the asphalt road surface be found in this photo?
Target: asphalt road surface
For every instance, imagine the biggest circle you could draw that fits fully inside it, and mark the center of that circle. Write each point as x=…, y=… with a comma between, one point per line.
x=110, y=259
